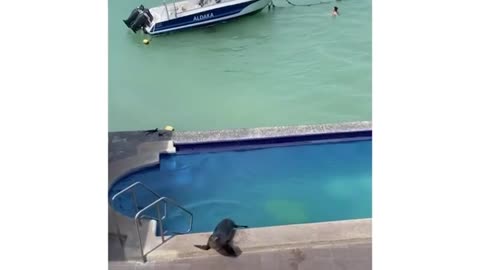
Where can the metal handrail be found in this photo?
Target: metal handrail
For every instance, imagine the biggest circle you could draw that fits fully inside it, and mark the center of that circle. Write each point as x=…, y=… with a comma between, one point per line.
x=133, y=193
x=159, y=219
x=175, y=9
x=165, y=200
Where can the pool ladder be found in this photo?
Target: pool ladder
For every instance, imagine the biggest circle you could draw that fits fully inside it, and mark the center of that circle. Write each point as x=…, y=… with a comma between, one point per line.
x=140, y=213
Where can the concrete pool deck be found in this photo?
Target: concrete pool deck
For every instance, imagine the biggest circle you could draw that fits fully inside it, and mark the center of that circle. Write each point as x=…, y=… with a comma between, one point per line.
x=280, y=246
x=326, y=245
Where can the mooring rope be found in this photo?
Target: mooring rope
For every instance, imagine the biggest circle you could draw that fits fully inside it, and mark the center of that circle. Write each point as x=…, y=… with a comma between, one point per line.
x=307, y=5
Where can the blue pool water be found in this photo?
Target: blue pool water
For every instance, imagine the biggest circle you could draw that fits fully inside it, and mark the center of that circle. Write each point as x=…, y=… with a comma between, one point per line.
x=263, y=187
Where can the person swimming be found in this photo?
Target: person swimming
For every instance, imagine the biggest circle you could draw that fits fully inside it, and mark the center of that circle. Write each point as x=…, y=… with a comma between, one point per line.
x=335, y=11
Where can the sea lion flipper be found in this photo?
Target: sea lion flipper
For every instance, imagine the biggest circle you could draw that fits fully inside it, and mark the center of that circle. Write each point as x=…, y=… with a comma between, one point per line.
x=240, y=226
x=229, y=250
x=204, y=247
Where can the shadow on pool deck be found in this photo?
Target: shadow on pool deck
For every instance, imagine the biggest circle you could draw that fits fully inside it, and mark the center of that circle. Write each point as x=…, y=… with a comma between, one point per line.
x=116, y=251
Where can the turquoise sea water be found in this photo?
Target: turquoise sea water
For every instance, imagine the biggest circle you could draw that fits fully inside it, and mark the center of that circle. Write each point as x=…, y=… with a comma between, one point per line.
x=265, y=187
x=295, y=65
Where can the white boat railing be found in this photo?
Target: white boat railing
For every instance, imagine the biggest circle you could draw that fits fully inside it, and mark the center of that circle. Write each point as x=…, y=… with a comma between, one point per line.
x=195, y=5
x=166, y=10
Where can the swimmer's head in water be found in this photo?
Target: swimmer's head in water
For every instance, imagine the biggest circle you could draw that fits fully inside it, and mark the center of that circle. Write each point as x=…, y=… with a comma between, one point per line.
x=335, y=11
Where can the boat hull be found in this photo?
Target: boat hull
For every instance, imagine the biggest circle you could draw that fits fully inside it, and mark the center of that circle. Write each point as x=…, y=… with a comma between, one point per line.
x=209, y=17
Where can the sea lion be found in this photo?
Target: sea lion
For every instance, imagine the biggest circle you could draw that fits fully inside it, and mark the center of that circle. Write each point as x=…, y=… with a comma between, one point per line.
x=221, y=238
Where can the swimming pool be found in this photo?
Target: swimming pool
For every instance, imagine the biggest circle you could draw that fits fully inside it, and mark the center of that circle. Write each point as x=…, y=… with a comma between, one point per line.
x=297, y=181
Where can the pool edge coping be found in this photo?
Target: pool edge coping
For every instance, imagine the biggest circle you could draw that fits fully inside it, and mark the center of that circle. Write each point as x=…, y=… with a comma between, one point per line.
x=243, y=134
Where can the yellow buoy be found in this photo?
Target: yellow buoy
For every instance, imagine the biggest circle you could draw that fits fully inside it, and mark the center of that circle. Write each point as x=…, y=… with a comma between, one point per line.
x=146, y=41
x=169, y=128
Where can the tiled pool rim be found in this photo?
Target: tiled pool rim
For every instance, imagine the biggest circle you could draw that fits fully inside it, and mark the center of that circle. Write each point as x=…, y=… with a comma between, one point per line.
x=267, y=132
x=143, y=151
